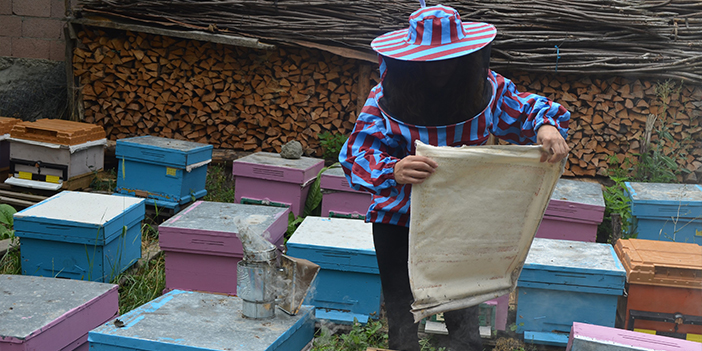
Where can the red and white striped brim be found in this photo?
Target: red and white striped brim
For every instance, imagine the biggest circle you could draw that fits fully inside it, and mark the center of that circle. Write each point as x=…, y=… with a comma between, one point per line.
x=435, y=33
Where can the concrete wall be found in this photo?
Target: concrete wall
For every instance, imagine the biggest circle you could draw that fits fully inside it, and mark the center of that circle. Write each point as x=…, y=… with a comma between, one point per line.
x=33, y=29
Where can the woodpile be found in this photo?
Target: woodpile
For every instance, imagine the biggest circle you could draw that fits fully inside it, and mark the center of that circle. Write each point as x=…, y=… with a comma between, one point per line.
x=254, y=100
x=608, y=118
x=230, y=97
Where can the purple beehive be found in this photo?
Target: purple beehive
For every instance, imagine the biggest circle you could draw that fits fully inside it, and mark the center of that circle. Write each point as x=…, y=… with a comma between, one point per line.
x=574, y=212
x=202, y=248
x=265, y=178
x=39, y=313
x=339, y=199
x=589, y=337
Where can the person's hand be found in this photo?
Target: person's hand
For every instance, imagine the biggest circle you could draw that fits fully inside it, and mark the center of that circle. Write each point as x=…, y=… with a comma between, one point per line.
x=414, y=169
x=553, y=143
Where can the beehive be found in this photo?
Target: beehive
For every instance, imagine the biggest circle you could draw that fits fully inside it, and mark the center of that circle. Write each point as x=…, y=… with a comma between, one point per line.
x=202, y=247
x=666, y=212
x=48, y=152
x=185, y=320
x=39, y=313
x=566, y=281
x=348, y=282
x=574, y=211
x=664, y=279
x=6, y=124
x=265, y=178
x=168, y=173
x=80, y=235
x=339, y=199
x=588, y=337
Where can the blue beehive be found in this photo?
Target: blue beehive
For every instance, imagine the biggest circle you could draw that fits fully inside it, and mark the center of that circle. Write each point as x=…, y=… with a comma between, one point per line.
x=669, y=212
x=80, y=235
x=348, y=282
x=566, y=281
x=185, y=320
x=167, y=172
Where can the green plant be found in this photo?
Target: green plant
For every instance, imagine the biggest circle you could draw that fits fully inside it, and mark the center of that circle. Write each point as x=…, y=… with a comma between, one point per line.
x=219, y=184
x=359, y=338
x=10, y=262
x=425, y=344
x=6, y=222
x=312, y=204
x=104, y=181
x=137, y=287
x=331, y=145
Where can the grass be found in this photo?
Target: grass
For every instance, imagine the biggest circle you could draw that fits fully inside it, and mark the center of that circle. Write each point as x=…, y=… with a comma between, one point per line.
x=219, y=184
x=146, y=281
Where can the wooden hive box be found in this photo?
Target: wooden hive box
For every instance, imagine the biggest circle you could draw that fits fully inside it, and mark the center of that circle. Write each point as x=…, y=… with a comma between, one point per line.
x=41, y=313
x=202, y=248
x=6, y=124
x=575, y=210
x=265, y=178
x=348, y=283
x=48, y=153
x=80, y=235
x=168, y=173
x=666, y=212
x=588, y=337
x=566, y=281
x=186, y=320
x=664, y=280
x=339, y=199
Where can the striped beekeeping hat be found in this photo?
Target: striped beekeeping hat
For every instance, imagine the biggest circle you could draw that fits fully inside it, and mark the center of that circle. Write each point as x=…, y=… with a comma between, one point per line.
x=434, y=33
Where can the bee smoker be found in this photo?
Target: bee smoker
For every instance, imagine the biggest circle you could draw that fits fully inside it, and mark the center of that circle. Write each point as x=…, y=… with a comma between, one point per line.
x=265, y=280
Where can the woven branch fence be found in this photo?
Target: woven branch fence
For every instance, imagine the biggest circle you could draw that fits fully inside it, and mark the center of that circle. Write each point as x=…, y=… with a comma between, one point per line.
x=655, y=39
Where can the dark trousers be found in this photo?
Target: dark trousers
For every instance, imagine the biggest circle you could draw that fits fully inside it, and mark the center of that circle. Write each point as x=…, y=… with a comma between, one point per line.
x=391, y=249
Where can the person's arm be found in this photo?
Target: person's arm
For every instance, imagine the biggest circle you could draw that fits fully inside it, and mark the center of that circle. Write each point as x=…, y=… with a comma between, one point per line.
x=520, y=117
x=366, y=158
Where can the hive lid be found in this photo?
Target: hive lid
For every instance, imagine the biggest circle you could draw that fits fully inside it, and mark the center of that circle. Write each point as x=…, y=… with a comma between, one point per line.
x=574, y=200
x=334, y=178
x=185, y=320
x=58, y=131
x=572, y=265
x=31, y=303
x=270, y=166
x=210, y=227
x=79, y=217
x=665, y=200
x=663, y=263
x=158, y=150
x=582, y=192
x=6, y=124
x=335, y=243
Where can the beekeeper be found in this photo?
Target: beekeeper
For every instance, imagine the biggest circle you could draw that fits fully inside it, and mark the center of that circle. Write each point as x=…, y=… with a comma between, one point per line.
x=435, y=86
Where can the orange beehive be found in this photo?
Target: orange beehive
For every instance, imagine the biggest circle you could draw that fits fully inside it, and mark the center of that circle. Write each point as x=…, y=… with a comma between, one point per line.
x=6, y=124
x=663, y=277
x=58, y=131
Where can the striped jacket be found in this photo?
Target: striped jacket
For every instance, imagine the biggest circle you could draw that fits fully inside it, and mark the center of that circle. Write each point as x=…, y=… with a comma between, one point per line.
x=378, y=141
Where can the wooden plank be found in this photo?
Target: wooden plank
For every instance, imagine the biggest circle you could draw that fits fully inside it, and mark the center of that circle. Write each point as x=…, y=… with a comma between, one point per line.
x=16, y=202
x=22, y=196
x=189, y=34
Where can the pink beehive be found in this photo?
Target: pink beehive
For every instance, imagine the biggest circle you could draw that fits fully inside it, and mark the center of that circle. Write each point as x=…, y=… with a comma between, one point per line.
x=339, y=199
x=202, y=248
x=40, y=313
x=265, y=178
x=588, y=337
x=574, y=212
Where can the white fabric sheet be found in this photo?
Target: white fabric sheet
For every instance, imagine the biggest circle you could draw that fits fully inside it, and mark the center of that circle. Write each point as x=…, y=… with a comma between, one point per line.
x=473, y=222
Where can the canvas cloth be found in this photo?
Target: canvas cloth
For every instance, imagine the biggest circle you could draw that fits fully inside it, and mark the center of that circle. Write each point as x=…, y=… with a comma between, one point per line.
x=473, y=222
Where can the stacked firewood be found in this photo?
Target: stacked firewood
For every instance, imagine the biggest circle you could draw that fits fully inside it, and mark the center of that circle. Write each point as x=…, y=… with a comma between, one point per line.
x=609, y=119
x=257, y=100
x=230, y=97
